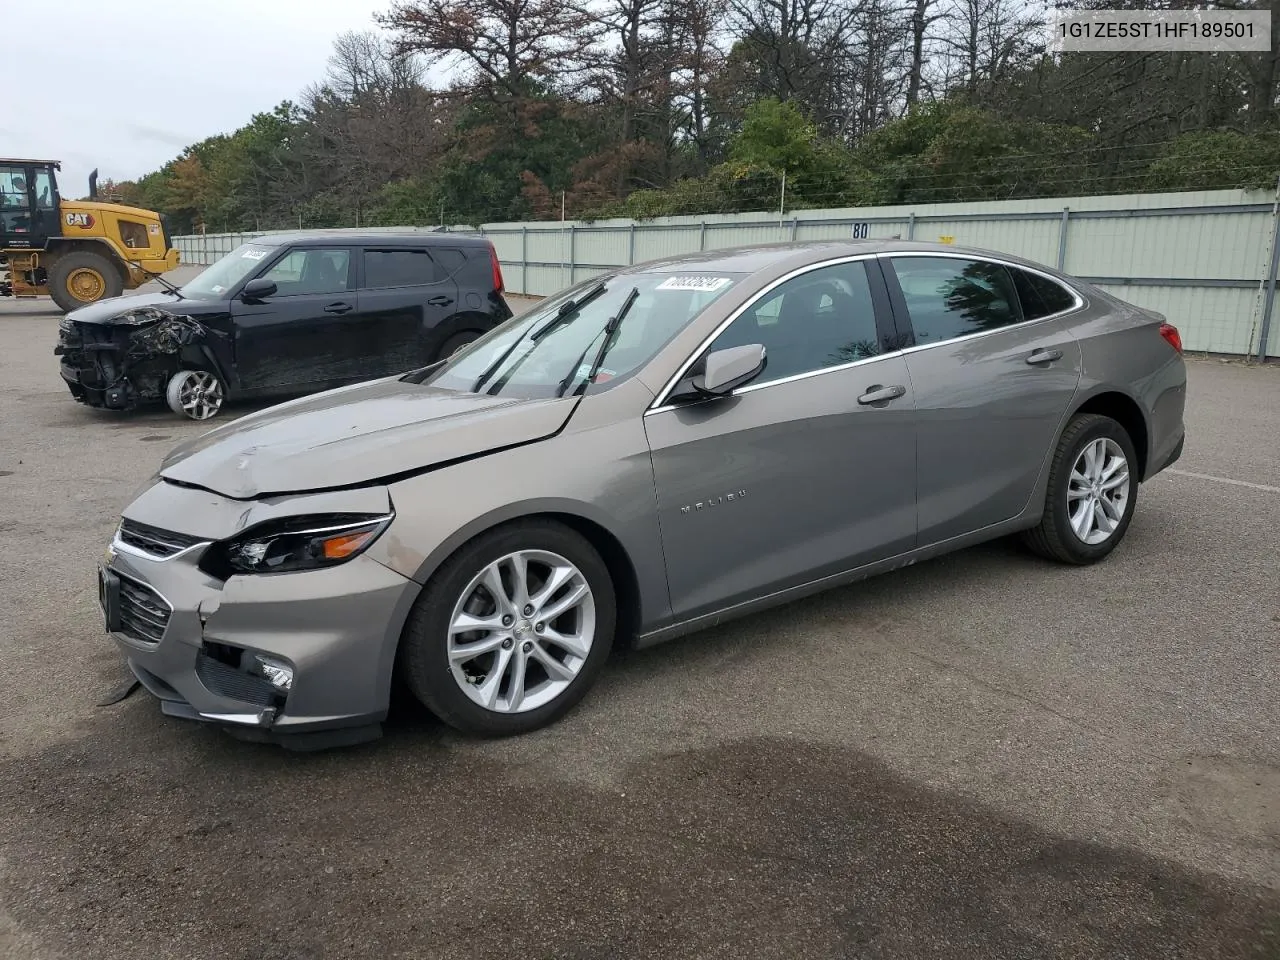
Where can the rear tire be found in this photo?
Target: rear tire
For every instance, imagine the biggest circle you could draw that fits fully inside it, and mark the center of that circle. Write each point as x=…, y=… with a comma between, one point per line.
x=83, y=277
x=524, y=665
x=1093, y=490
x=457, y=342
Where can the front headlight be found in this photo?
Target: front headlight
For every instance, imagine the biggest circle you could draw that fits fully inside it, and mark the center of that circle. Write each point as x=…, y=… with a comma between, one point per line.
x=295, y=543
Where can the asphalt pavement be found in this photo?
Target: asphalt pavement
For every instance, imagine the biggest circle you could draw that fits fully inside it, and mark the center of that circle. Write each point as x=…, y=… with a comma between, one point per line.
x=982, y=756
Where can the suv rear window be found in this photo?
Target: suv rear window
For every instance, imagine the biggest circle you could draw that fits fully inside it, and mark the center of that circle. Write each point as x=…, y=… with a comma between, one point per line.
x=400, y=268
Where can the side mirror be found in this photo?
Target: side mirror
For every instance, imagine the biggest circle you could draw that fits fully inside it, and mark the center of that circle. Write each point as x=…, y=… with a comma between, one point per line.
x=726, y=370
x=258, y=289
x=722, y=372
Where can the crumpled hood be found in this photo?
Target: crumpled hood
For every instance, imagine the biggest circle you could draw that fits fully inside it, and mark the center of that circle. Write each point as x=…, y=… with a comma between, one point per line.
x=106, y=311
x=357, y=435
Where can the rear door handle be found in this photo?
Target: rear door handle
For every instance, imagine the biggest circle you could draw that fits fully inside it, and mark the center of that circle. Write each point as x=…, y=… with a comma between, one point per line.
x=440, y=301
x=1044, y=356
x=338, y=308
x=877, y=394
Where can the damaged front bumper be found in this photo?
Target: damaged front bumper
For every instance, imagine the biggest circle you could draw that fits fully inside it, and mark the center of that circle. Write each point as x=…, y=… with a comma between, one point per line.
x=127, y=360
x=219, y=651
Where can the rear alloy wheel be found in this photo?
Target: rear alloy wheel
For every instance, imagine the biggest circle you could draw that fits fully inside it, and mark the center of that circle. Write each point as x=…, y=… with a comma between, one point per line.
x=1093, y=486
x=197, y=394
x=512, y=631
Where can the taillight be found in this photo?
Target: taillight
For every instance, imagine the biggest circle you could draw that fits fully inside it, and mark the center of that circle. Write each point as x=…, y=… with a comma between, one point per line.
x=497, y=269
x=1170, y=333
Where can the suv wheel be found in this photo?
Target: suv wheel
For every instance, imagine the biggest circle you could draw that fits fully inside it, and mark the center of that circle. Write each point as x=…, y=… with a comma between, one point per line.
x=512, y=631
x=1093, y=489
x=197, y=394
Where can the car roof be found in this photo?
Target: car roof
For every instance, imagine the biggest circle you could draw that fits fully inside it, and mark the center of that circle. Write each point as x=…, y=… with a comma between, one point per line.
x=370, y=238
x=750, y=259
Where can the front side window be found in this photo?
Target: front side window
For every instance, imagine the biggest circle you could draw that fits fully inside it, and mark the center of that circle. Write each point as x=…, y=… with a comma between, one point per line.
x=224, y=276
x=315, y=271
x=823, y=318
x=398, y=268
x=13, y=187
x=949, y=297
x=1040, y=296
x=549, y=351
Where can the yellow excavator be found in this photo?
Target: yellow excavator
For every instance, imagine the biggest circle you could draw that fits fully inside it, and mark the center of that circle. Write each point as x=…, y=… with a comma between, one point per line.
x=76, y=251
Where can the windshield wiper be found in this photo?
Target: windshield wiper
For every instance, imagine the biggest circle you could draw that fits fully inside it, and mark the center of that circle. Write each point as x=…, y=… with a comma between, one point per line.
x=566, y=310
x=610, y=329
x=169, y=287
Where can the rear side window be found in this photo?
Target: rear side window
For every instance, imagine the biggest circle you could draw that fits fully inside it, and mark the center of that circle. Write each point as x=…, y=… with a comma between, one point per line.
x=1040, y=296
x=399, y=268
x=949, y=297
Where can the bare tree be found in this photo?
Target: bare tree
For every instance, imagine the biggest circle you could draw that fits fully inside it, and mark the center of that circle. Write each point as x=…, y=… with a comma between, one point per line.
x=505, y=45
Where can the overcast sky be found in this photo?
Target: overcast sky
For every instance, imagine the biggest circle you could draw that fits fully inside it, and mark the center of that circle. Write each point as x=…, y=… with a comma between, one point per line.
x=193, y=68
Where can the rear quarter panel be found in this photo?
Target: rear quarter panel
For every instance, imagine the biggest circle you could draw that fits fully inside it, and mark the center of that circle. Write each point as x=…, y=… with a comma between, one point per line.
x=1122, y=352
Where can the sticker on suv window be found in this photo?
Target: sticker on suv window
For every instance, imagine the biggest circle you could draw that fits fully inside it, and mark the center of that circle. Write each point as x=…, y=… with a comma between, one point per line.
x=253, y=255
x=701, y=284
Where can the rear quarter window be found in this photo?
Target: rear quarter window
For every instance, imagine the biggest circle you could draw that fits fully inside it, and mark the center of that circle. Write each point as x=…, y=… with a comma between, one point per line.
x=1040, y=296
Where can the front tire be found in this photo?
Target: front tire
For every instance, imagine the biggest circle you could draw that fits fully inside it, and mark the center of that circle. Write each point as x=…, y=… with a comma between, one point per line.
x=512, y=630
x=83, y=277
x=1093, y=490
x=197, y=394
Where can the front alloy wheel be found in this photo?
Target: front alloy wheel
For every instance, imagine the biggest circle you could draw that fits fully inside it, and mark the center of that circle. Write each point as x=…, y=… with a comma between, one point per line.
x=521, y=631
x=197, y=394
x=512, y=630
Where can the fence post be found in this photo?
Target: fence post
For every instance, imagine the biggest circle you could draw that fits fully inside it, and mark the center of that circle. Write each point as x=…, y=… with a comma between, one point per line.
x=795, y=225
x=524, y=259
x=702, y=236
x=1270, y=301
x=631, y=244
x=1062, y=237
x=572, y=264
x=911, y=225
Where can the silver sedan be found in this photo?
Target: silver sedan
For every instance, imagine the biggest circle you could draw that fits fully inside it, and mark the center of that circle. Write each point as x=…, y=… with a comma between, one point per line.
x=651, y=451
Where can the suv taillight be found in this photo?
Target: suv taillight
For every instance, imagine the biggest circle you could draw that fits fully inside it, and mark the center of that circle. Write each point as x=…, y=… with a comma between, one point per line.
x=1170, y=333
x=497, y=269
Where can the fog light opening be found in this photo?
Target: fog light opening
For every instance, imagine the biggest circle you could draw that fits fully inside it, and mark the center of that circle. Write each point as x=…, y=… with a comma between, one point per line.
x=278, y=673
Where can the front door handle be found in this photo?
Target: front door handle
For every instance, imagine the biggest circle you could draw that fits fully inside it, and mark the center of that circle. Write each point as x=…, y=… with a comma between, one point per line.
x=440, y=301
x=1042, y=355
x=877, y=394
x=338, y=308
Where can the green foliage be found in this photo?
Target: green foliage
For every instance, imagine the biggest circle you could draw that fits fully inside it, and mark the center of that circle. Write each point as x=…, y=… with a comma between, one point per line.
x=949, y=151
x=1213, y=159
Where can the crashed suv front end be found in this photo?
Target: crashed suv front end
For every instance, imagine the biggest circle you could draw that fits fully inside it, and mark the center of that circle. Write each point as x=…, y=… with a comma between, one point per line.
x=128, y=359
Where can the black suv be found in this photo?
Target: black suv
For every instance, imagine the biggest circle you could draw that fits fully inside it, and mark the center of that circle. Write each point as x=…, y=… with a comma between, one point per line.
x=286, y=315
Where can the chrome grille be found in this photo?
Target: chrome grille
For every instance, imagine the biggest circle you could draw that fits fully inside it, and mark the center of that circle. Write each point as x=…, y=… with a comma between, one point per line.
x=153, y=540
x=143, y=613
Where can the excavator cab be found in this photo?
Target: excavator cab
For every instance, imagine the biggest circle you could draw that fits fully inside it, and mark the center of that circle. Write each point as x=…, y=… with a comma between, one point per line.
x=76, y=251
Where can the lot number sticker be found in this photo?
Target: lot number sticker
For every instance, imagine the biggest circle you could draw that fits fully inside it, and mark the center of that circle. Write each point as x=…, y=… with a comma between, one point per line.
x=699, y=284
x=253, y=255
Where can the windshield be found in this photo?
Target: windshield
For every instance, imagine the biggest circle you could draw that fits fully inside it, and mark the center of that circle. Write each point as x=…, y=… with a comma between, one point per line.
x=220, y=279
x=550, y=351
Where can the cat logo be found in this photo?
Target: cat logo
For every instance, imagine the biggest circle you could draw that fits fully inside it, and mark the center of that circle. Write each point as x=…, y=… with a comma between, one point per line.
x=84, y=220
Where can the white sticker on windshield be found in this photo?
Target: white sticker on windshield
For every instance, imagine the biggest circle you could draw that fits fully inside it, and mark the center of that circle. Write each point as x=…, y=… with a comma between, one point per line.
x=253, y=255
x=700, y=284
